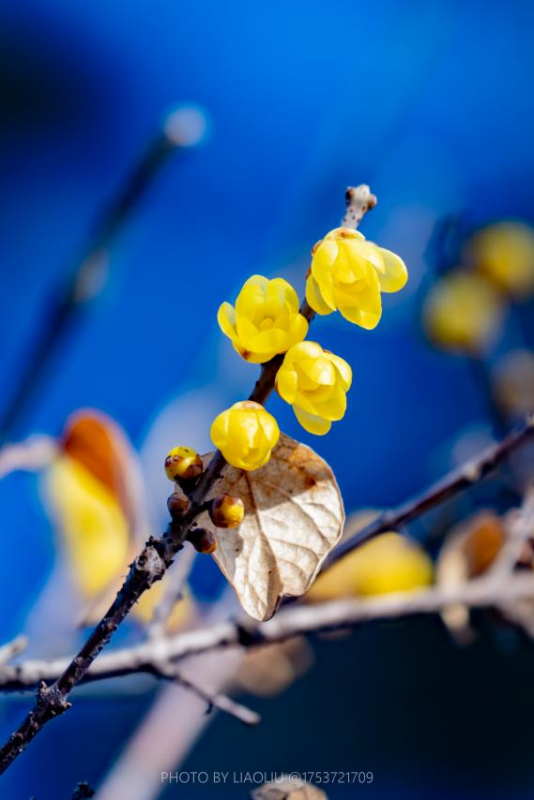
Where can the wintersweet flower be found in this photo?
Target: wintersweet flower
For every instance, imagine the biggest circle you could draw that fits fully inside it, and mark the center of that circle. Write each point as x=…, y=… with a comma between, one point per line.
x=245, y=434
x=504, y=253
x=265, y=321
x=463, y=312
x=348, y=274
x=315, y=382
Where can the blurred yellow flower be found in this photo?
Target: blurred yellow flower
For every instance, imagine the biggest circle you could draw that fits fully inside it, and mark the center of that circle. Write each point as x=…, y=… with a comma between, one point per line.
x=504, y=253
x=463, y=312
x=315, y=382
x=265, y=320
x=245, y=434
x=389, y=563
x=94, y=495
x=94, y=528
x=348, y=274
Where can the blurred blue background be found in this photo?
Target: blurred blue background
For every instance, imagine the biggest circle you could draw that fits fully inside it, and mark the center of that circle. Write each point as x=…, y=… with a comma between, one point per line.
x=428, y=102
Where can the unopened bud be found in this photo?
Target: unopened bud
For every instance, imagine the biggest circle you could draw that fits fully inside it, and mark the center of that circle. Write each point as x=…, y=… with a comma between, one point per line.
x=227, y=511
x=203, y=541
x=183, y=463
x=178, y=504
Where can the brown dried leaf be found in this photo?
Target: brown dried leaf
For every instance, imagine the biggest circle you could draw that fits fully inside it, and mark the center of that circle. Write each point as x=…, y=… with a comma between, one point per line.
x=293, y=518
x=268, y=671
x=469, y=551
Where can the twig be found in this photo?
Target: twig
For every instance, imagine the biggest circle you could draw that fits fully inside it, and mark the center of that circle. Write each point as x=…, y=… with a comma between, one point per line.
x=148, y=567
x=181, y=130
x=173, y=593
x=213, y=699
x=299, y=620
x=451, y=484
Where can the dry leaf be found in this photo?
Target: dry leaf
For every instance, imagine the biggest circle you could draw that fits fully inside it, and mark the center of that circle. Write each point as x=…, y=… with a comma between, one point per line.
x=288, y=790
x=469, y=551
x=293, y=518
x=270, y=670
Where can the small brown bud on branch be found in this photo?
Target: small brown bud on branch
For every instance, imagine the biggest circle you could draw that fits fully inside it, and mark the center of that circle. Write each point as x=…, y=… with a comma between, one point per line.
x=178, y=505
x=203, y=541
x=183, y=464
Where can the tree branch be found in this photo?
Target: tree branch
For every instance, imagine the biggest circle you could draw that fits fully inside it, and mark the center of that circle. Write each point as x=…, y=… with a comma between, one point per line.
x=299, y=620
x=181, y=130
x=456, y=481
x=148, y=567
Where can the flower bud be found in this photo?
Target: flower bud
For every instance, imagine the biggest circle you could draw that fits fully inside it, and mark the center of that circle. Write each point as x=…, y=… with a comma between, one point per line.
x=178, y=504
x=227, y=511
x=203, y=541
x=245, y=434
x=183, y=463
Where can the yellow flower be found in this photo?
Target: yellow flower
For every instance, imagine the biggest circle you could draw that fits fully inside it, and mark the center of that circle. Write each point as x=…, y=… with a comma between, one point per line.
x=265, y=320
x=504, y=253
x=348, y=273
x=245, y=434
x=389, y=563
x=315, y=383
x=463, y=312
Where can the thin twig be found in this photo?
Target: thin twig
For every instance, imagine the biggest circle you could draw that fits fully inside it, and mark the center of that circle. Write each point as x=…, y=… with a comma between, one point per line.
x=456, y=481
x=299, y=620
x=149, y=567
x=89, y=274
x=213, y=699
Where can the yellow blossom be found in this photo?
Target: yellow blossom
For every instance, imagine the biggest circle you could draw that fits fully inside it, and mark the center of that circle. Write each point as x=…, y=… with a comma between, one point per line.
x=348, y=274
x=389, y=563
x=245, y=434
x=315, y=382
x=504, y=253
x=265, y=320
x=463, y=312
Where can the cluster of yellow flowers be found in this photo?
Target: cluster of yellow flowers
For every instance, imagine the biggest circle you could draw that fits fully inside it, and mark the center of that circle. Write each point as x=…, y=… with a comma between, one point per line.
x=347, y=274
x=465, y=310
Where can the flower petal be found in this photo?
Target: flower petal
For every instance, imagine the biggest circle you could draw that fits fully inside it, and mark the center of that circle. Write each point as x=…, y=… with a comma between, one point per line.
x=311, y=423
x=396, y=274
x=345, y=372
x=315, y=299
x=227, y=321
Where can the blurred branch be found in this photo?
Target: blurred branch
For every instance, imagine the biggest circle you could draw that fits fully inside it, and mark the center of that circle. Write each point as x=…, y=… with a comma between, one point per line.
x=213, y=699
x=456, y=481
x=486, y=592
x=11, y=649
x=181, y=130
x=32, y=454
x=149, y=567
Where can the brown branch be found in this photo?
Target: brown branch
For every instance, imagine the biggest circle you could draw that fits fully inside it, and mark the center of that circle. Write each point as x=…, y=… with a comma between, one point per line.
x=148, y=567
x=145, y=657
x=456, y=481
x=299, y=620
